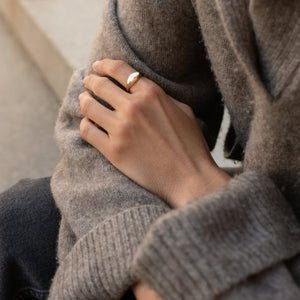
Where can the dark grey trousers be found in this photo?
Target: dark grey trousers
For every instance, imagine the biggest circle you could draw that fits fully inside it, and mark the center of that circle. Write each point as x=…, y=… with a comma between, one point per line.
x=29, y=223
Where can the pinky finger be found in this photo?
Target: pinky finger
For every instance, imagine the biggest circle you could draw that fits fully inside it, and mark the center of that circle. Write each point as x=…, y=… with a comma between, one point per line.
x=94, y=136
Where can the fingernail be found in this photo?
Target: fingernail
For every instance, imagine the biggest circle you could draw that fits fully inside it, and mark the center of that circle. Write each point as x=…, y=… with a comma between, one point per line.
x=80, y=96
x=95, y=64
x=85, y=79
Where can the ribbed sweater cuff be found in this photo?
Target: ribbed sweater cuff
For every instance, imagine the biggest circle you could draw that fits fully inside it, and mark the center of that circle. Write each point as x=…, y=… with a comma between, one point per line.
x=98, y=267
x=203, y=249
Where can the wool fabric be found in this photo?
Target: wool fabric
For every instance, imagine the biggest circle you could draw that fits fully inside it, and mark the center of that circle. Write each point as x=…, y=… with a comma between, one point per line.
x=241, y=242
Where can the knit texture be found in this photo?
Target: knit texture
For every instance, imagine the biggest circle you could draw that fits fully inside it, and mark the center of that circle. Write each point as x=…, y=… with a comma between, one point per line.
x=265, y=113
x=232, y=241
x=207, y=247
x=97, y=266
x=275, y=283
x=87, y=189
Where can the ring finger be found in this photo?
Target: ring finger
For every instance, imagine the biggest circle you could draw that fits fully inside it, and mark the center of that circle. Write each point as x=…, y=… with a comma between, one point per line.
x=120, y=71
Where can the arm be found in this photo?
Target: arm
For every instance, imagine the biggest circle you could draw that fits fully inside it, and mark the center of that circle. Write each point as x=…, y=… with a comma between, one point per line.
x=234, y=243
x=255, y=212
x=104, y=214
x=217, y=242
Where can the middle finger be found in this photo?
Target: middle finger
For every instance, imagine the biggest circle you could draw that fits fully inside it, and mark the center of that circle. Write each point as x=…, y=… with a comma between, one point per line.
x=106, y=90
x=97, y=112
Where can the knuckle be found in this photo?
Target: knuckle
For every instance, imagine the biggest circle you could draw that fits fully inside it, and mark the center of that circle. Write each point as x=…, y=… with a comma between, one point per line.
x=90, y=80
x=85, y=105
x=151, y=93
x=125, y=128
x=115, y=66
x=134, y=109
x=188, y=109
x=84, y=129
x=105, y=61
x=100, y=84
x=117, y=150
x=101, y=63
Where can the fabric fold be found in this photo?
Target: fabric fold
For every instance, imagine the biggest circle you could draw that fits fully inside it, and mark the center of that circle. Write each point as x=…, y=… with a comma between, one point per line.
x=98, y=266
x=207, y=247
x=87, y=188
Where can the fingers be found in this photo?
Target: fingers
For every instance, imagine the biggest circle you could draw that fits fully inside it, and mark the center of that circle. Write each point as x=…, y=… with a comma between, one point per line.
x=96, y=112
x=120, y=71
x=94, y=136
x=106, y=90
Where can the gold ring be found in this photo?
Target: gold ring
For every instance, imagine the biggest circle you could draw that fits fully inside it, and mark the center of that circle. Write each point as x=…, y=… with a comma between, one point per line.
x=132, y=80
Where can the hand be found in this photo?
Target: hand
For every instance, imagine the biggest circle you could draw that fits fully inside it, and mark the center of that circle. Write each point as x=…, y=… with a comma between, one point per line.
x=150, y=137
x=142, y=291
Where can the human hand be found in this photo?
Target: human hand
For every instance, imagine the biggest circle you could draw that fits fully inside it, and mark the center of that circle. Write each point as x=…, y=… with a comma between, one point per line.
x=152, y=138
x=142, y=291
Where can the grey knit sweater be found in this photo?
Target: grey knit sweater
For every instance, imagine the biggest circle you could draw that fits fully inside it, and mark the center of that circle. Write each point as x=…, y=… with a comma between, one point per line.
x=241, y=242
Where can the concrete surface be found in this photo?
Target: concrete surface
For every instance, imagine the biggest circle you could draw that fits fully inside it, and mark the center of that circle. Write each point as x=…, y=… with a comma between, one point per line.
x=57, y=45
x=58, y=34
x=28, y=110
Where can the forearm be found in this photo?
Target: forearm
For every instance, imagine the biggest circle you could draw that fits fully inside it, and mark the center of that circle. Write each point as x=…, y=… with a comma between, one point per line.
x=219, y=241
x=245, y=232
x=82, y=167
x=93, y=196
x=142, y=291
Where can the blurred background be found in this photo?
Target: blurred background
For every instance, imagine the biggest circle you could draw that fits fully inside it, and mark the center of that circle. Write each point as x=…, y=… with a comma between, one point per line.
x=41, y=43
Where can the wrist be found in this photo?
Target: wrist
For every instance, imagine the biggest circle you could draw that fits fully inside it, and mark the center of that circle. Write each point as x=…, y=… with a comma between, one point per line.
x=142, y=291
x=199, y=185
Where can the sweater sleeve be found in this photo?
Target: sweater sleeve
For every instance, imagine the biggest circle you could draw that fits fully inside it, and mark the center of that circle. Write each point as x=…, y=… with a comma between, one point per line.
x=236, y=243
x=104, y=214
x=207, y=247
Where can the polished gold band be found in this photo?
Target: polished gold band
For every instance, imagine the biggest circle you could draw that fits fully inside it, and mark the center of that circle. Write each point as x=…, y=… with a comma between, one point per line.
x=132, y=80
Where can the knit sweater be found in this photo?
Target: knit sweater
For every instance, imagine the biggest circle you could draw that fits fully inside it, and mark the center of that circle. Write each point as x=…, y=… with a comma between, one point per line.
x=241, y=242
